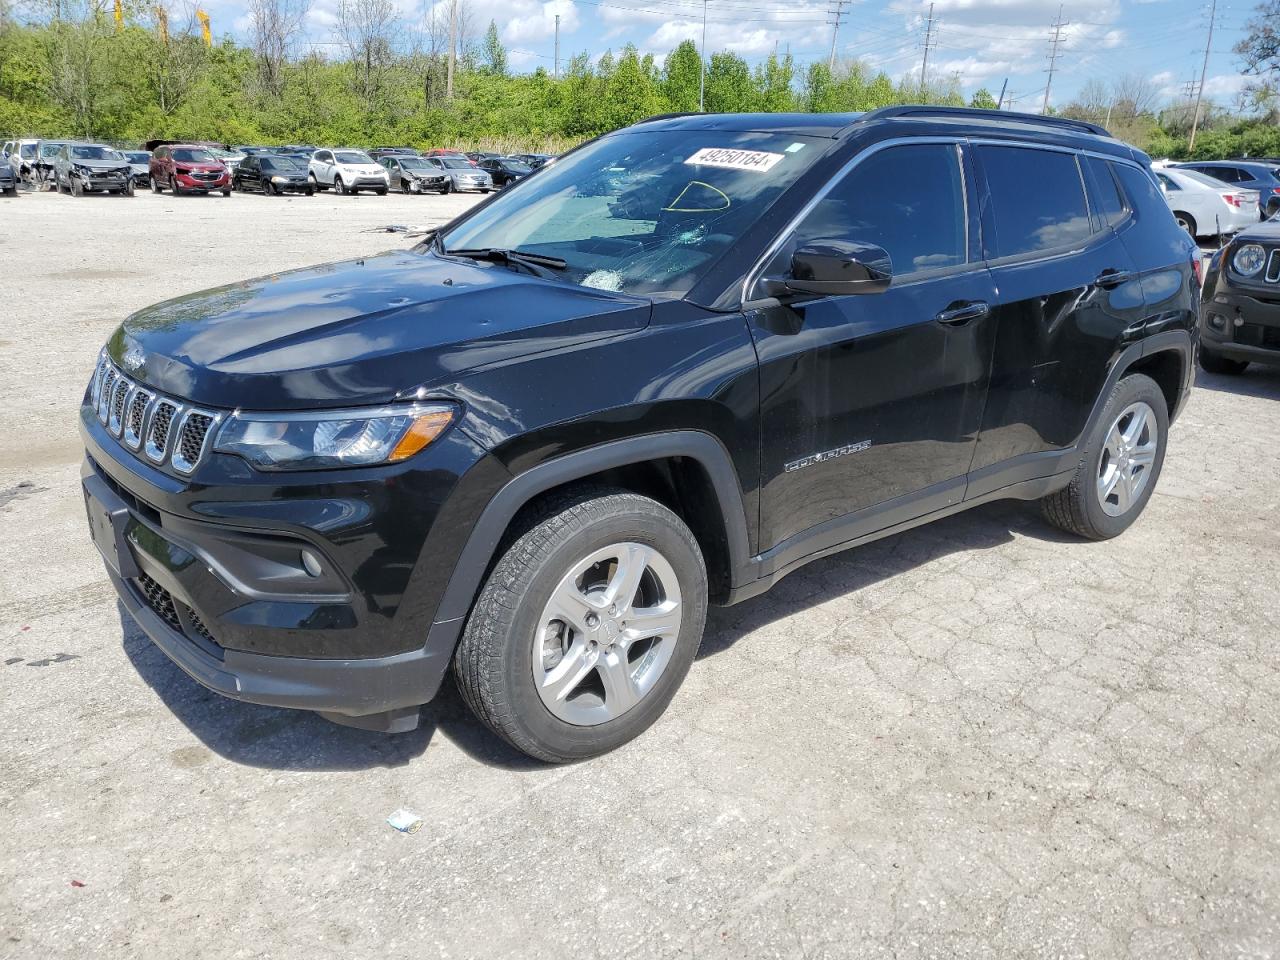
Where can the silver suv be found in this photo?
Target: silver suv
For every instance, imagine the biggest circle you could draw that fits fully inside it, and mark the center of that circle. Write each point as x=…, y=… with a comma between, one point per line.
x=82, y=168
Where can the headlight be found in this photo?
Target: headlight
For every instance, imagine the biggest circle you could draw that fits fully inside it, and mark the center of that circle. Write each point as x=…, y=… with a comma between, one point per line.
x=319, y=439
x=279, y=179
x=1249, y=259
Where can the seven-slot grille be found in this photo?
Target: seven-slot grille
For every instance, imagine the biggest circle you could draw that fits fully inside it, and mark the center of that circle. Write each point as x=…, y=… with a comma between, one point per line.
x=1272, y=273
x=161, y=428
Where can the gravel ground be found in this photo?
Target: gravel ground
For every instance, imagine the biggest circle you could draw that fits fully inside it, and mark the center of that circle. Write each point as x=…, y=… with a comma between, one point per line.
x=978, y=739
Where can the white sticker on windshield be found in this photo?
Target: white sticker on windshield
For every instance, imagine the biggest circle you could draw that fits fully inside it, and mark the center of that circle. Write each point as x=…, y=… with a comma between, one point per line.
x=795, y=148
x=735, y=159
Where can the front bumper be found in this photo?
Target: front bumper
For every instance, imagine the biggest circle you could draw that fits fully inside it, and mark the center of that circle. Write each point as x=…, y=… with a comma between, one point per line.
x=103, y=182
x=219, y=598
x=187, y=182
x=1240, y=326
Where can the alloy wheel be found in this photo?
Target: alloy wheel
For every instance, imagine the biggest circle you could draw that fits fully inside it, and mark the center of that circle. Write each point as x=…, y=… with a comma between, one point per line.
x=607, y=634
x=1128, y=454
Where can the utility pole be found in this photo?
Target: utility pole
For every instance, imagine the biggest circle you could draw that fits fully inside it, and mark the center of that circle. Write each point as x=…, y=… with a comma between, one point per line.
x=1195, y=119
x=702, y=62
x=453, y=48
x=928, y=45
x=1003, y=87
x=1053, y=57
x=557, y=46
x=835, y=32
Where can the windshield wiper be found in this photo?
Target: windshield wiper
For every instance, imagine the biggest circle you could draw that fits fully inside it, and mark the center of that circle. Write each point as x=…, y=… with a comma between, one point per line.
x=538, y=264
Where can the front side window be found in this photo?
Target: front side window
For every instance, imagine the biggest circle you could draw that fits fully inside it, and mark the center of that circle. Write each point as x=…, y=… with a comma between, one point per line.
x=27, y=151
x=1037, y=200
x=647, y=212
x=908, y=200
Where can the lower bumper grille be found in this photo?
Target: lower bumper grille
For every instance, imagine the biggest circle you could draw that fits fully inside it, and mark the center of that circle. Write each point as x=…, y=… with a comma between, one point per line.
x=178, y=615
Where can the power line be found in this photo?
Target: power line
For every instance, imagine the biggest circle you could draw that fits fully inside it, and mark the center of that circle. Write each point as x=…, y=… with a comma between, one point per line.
x=835, y=32
x=1053, y=56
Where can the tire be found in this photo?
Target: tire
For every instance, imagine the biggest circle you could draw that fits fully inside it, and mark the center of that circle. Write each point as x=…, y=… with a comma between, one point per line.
x=1186, y=221
x=339, y=186
x=311, y=191
x=448, y=187
x=128, y=190
x=382, y=192
x=76, y=189
x=174, y=188
x=156, y=186
x=226, y=192
x=1216, y=363
x=498, y=669
x=1138, y=414
x=1272, y=209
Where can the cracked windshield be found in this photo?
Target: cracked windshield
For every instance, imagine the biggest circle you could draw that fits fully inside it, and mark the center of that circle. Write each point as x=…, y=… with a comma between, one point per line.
x=647, y=213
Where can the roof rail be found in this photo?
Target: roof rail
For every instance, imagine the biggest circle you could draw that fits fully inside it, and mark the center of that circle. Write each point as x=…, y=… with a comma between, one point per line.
x=960, y=113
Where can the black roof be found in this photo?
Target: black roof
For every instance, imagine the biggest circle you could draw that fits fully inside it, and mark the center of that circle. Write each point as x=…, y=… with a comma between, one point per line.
x=837, y=124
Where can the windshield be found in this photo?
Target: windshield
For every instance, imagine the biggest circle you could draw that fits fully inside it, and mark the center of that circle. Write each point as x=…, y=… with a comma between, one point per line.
x=50, y=147
x=189, y=155
x=456, y=163
x=515, y=166
x=352, y=156
x=27, y=150
x=414, y=163
x=138, y=156
x=94, y=153
x=283, y=163
x=647, y=212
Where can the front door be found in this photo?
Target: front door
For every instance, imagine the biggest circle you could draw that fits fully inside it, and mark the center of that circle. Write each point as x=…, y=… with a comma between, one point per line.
x=870, y=405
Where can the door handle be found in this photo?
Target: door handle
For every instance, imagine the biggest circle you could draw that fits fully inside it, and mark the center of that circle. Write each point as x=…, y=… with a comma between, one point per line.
x=1113, y=278
x=961, y=313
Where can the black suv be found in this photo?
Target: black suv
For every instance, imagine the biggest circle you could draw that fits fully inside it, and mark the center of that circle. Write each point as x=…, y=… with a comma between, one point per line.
x=681, y=362
x=1240, y=318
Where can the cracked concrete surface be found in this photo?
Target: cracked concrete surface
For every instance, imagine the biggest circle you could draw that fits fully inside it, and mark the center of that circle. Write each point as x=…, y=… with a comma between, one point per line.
x=977, y=739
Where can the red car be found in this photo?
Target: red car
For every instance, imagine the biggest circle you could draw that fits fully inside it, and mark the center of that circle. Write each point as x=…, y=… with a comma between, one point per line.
x=441, y=152
x=188, y=168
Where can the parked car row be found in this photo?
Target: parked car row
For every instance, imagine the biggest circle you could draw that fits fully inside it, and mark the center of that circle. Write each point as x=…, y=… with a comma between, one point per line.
x=1221, y=197
x=206, y=167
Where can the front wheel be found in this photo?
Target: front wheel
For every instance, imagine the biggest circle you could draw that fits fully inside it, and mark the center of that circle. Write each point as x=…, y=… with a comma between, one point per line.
x=339, y=186
x=1216, y=363
x=128, y=189
x=1119, y=466
x=156, y=186
x=586, y=627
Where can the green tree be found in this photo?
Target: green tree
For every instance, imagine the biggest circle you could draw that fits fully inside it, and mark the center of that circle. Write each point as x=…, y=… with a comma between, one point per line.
x=773, y=85
x=493, y=54
x=682, y=75
x=820, y=95
x=729, y=88
x=983, y=99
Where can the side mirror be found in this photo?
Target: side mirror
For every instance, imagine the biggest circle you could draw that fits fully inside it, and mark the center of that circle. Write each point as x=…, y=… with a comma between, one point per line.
x=828, y=268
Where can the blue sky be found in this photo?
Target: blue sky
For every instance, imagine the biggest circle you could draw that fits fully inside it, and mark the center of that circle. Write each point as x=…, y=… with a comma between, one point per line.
x=984, y=41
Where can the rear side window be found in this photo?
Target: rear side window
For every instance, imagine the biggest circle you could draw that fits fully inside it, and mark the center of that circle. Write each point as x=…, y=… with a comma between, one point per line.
x=1143, y=194
x=1107, y=201
x=1037, y=200
x=909, y=200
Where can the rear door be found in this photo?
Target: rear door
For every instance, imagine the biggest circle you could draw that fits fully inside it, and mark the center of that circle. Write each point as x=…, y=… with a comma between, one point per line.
x=870, y=404
x=1067, y=291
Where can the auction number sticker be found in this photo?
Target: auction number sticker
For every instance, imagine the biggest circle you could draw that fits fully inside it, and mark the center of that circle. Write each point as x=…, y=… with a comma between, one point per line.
x=735, y=159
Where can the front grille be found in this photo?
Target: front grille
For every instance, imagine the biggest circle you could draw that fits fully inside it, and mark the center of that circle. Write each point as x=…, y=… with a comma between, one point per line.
x=168, y=430
x=1272, y=274
x=160, y=600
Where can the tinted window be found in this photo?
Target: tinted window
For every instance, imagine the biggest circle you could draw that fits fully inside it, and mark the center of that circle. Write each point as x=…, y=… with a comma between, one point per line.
x=353, y=156
x=1037, y=200
x=1106, y=199
x=909, y=200
x=192, y=155
x=1144, y=195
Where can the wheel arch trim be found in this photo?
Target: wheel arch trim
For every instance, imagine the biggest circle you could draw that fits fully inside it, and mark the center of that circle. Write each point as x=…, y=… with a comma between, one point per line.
x=1169, y=341
x=478, y=551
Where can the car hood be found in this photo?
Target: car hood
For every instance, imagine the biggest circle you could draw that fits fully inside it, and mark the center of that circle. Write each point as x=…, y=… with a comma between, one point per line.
x=359, y=331
x=100, y=164
x=201, y=167
x=1268, y=230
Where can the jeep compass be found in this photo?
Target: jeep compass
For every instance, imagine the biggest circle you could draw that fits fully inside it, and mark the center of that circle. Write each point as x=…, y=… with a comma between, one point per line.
x=669, y=369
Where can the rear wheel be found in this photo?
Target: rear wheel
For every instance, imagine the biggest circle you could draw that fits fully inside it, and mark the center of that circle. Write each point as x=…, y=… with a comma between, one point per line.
x=1216, y=363
x=1120, y=465
x=1186, y=221
x=586, y=627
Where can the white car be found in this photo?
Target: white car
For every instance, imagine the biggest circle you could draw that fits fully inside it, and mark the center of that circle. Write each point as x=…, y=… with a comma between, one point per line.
x=347, y=171
x=1205, y=207
x=19, y=154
